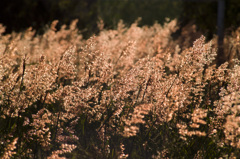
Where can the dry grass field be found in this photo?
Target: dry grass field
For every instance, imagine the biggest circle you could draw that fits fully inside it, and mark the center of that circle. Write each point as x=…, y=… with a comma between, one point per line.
x=133, y=92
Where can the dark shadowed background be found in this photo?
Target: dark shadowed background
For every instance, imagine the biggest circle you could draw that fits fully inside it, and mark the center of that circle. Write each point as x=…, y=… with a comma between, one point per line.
x=21, y=14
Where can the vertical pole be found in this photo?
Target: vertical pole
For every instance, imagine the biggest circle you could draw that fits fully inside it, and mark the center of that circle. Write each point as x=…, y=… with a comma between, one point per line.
x=220, y=31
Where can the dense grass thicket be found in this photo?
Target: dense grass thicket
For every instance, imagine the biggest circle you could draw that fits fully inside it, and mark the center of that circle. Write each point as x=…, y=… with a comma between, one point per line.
x=127, y=93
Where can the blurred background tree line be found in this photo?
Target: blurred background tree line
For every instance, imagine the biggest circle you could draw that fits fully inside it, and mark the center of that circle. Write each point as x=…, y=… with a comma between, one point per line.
x=21, y=14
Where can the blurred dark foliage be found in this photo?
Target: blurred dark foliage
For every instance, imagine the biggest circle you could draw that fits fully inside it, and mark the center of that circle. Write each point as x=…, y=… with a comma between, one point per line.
x=21, y=14
x=204, y=15
x=111, y=11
